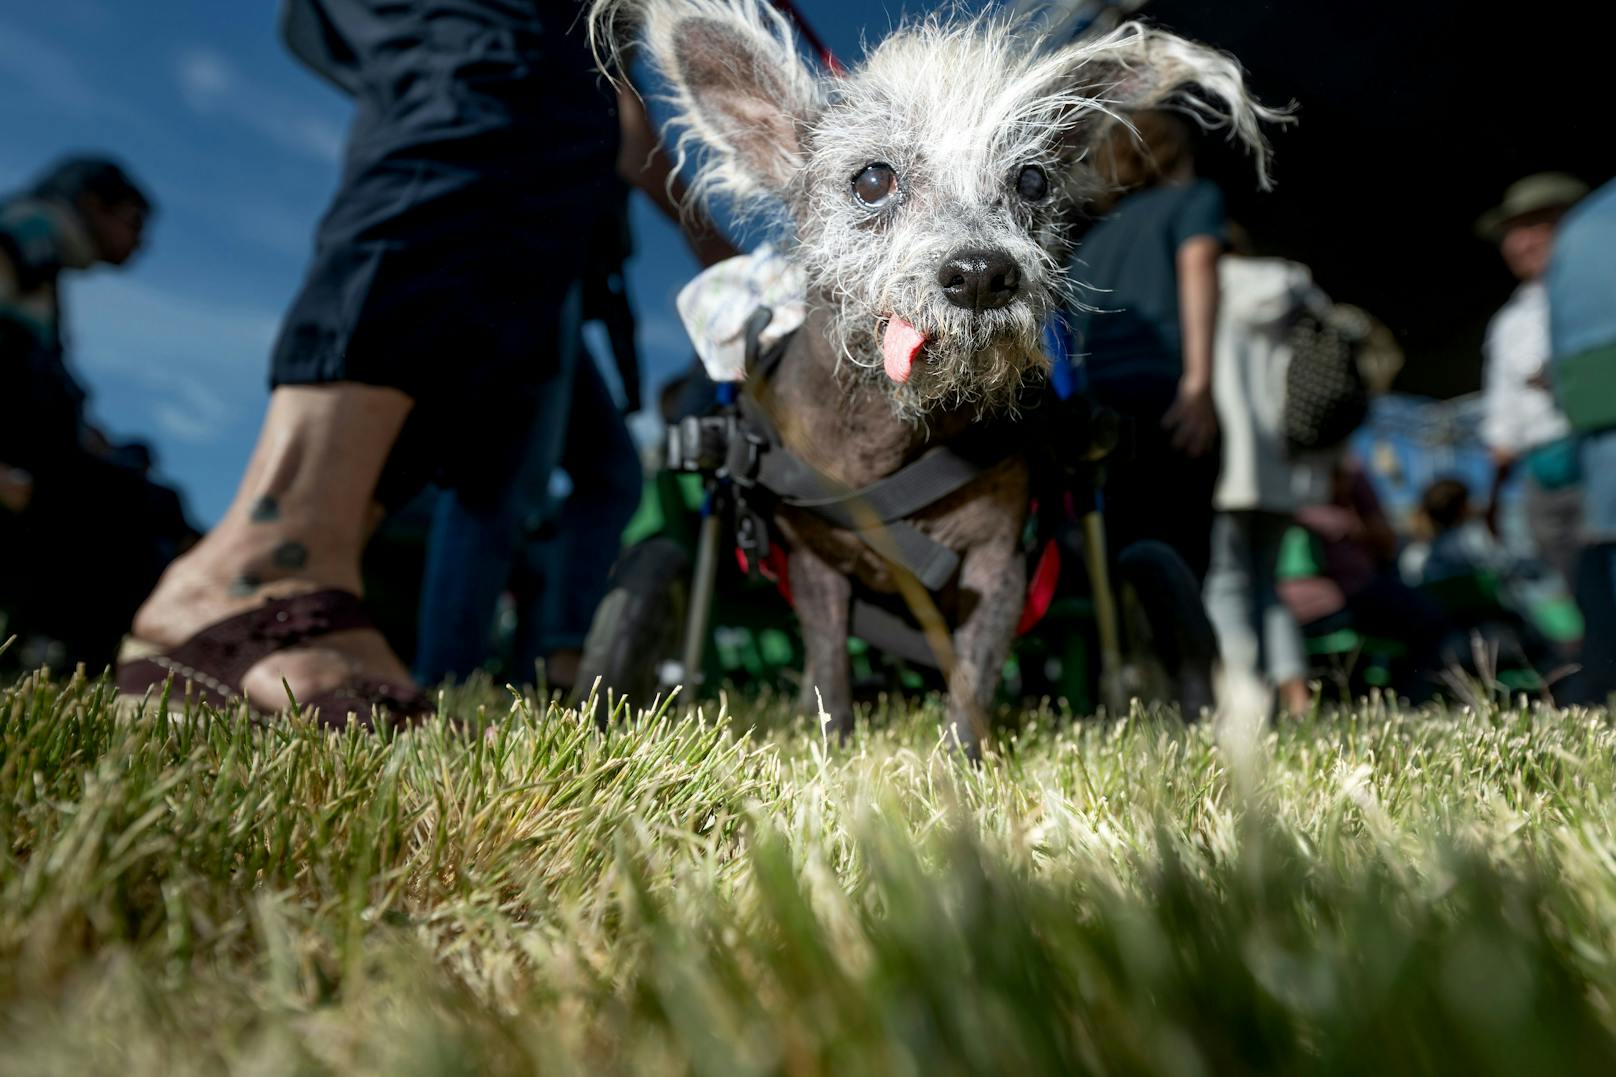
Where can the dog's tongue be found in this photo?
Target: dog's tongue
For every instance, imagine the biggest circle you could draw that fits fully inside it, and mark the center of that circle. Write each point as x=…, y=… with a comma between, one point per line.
x=899, y=346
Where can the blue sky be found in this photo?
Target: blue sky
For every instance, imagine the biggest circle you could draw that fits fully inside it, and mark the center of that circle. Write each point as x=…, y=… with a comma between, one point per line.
x=240, y=146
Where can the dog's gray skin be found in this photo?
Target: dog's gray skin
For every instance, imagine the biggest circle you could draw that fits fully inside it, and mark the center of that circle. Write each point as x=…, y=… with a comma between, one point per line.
x=960, y=114
x=846, y=428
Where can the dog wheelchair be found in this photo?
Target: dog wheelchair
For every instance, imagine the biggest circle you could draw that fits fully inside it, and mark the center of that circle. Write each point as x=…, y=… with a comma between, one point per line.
x=701, y=595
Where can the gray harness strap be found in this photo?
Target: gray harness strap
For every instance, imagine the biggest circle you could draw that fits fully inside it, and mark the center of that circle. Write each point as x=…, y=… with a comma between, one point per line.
x=938, y=472
x=890, y=633
x=877, y=513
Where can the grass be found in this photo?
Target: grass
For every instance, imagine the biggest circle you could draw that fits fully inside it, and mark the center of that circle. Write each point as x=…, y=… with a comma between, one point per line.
x=1363, y=891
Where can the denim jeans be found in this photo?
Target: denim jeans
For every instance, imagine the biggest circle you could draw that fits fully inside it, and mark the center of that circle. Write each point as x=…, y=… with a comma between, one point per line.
x=1243, y=601
x=1582, y=319
x=561, y=574
x=554, y=556
x=1152, y=490
x=1599, y=486
x=471, y=549
x=1596, y=577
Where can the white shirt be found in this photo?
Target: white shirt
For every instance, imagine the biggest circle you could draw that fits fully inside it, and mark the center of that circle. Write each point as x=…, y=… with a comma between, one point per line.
x=1251, y=352
x=1519, y=416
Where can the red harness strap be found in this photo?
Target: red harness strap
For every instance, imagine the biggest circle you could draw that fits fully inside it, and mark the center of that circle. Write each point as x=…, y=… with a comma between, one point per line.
x=774, y=567
x=1041, y=588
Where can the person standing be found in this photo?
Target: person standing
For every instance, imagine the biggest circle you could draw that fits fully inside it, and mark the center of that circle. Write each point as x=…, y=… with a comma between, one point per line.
x=1260, y=487
x=478, y=551
x=434, y=321
x=1149, y=276
x=84, y=532
x=1522, y=426
x=1581, y=284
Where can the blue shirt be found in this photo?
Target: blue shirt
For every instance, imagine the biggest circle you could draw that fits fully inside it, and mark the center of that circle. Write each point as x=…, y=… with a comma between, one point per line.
x=1582, y=317
x=1582, y=276
x=1127, y=266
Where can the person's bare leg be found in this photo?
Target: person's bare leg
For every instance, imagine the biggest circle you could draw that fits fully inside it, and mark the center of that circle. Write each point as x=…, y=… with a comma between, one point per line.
x=298, y=523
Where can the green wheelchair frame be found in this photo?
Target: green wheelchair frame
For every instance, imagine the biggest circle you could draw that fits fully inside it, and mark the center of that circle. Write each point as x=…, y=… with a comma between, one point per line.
x=754, y=638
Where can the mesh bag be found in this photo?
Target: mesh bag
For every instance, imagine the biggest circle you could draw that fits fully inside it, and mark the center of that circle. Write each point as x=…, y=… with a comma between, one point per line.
x=1326, y=398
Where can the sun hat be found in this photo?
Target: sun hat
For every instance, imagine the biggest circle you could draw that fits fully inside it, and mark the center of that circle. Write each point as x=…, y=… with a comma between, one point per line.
x=1533, y=194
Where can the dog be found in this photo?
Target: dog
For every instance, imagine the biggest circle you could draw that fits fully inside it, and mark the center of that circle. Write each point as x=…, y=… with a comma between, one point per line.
x=929, y=194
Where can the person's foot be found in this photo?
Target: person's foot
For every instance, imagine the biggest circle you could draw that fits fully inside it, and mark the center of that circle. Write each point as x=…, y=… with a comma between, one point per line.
x=1295, y=697
x=297, y=526
x=229, y=573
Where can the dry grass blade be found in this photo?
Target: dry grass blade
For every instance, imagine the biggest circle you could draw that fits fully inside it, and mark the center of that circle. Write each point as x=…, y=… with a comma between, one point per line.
x=1365, y=889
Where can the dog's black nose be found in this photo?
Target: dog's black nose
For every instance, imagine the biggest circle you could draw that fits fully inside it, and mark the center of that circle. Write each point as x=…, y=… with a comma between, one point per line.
x=979, y=279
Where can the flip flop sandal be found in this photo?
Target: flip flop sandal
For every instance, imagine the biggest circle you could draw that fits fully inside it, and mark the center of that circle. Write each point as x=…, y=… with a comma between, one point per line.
x=210, y=665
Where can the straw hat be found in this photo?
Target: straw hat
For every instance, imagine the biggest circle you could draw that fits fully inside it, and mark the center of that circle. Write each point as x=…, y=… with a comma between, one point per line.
x=1535, y=193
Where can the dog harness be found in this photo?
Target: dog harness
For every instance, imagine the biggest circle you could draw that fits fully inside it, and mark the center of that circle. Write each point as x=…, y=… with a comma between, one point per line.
x=766, y=475
x=766, y=471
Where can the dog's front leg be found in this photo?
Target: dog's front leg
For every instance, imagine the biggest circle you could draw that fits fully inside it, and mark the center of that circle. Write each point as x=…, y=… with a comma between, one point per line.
x=823, y=600
x=992, y=586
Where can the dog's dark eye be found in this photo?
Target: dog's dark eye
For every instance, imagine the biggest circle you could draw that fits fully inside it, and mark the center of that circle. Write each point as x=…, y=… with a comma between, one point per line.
x=875, y=184
x=1032, y=184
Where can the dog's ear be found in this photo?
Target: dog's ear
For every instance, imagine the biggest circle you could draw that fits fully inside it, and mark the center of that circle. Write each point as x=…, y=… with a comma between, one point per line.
x=739, y=87
x=1137, y=67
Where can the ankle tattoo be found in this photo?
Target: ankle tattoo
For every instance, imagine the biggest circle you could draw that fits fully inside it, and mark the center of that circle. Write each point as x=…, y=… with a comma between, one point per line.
x=264, y=510
x=291, y=555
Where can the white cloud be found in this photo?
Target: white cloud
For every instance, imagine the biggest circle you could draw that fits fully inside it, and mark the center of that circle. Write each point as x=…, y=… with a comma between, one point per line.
x=190, y=355
x=205, y=79
x=191, y=412
x=214, y=88
x=310, y=134
x=186, y=426
x=119, y=319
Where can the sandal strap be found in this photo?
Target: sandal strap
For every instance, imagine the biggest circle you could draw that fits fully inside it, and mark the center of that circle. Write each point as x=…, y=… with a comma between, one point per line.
x=218, y=657
x=362, y=696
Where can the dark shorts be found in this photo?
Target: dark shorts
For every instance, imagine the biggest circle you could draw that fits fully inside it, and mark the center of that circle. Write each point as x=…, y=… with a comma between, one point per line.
x=1153, y=490
x=458, y=323
x=480, y=157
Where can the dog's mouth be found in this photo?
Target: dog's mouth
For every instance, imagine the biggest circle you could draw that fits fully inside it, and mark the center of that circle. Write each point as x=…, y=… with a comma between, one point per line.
x=901, y=344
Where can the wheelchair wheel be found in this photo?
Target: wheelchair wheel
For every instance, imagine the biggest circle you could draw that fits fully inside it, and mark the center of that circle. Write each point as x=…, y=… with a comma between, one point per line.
x=637, y=627
x=1170, y=646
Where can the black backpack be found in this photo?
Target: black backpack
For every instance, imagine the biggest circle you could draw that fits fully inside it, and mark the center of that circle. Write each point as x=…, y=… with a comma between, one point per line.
x=1326, y=397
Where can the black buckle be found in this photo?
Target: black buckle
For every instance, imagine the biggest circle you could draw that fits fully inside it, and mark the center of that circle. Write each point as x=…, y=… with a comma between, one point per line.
x=751, y=537
x=744, y=457
x=702, y=443
x=753, y=329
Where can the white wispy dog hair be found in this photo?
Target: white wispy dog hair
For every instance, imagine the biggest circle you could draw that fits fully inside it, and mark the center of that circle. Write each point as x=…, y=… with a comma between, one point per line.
x=979, y=135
